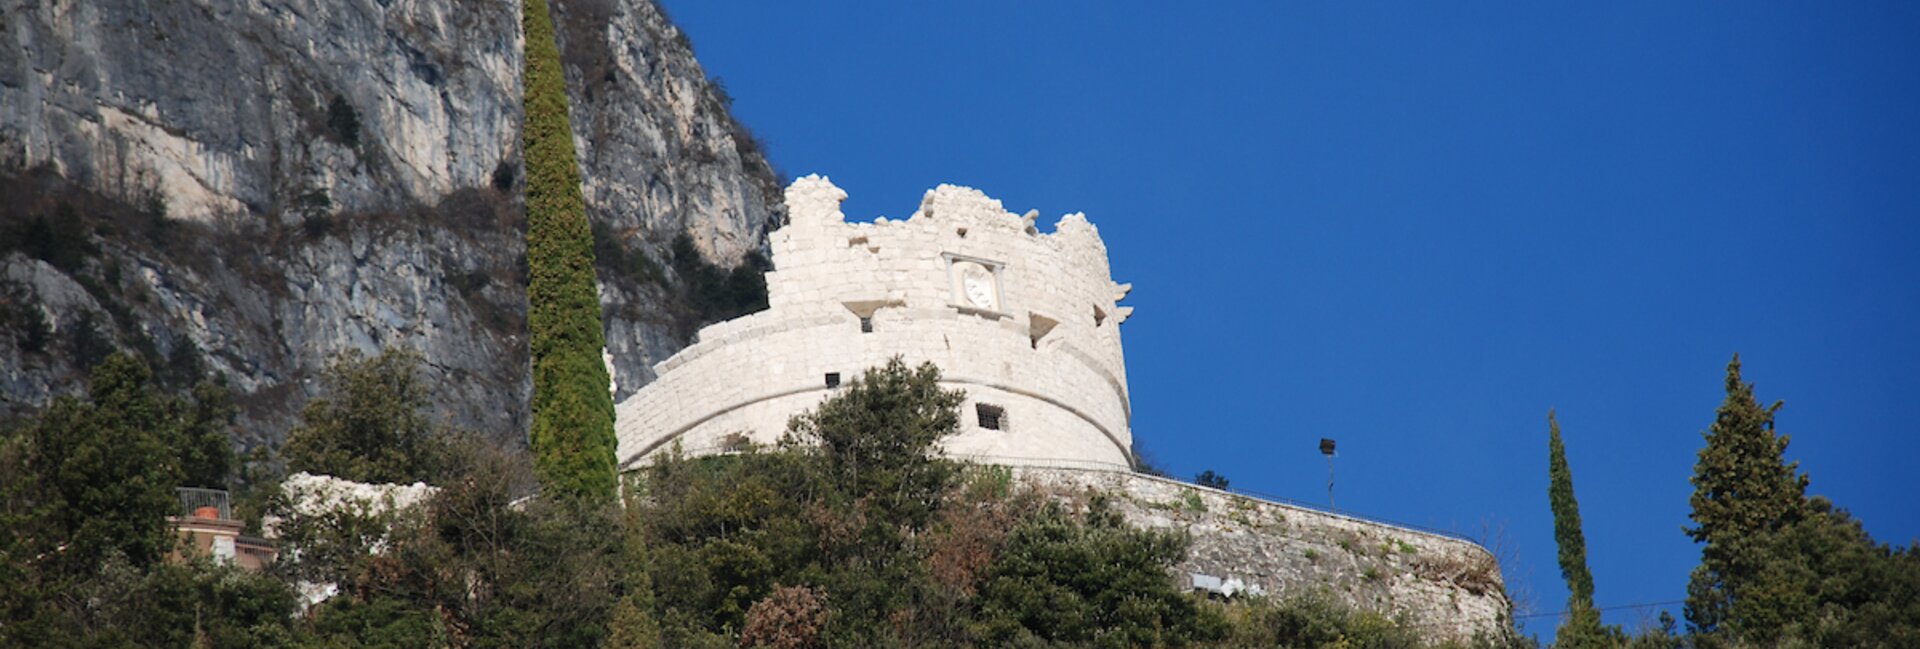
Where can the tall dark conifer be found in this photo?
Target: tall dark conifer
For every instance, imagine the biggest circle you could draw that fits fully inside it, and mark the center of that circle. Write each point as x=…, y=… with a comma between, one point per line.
x=1744, y=493
x=1582, y=627
x=572, y=433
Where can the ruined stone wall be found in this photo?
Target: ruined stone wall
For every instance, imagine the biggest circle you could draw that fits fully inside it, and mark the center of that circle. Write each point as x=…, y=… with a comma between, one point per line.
x=1022, y=321
x=1447, y=586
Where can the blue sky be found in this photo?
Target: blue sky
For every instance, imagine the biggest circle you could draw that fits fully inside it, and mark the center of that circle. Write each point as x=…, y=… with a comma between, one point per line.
x=1415, y=228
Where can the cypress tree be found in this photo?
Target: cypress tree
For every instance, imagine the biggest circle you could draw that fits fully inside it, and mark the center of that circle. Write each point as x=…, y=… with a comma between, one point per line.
x=1582, y=627
x=1744, y=493
x=572, y=435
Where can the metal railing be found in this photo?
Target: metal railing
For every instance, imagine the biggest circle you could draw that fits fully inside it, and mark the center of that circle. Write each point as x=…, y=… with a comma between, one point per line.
x=1315, y=507
x=196, y=502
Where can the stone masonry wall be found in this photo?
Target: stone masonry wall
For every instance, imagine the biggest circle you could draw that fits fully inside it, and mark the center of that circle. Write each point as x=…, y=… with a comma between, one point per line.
x=1445, y=585
x=1020, y=320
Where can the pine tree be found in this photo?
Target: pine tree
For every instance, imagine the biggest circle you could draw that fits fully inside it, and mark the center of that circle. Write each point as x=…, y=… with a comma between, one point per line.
x=102, y=473
x=1744, y=492
x=1582, y=627
x=86, y=487
x=572, y=432
x=369, y=423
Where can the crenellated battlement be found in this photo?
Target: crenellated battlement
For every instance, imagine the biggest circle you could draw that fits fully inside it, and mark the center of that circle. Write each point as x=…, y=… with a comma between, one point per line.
x=1026, y=322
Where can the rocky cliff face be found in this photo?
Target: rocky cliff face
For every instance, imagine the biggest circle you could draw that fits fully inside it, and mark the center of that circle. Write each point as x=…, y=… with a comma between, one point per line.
x=249, y=188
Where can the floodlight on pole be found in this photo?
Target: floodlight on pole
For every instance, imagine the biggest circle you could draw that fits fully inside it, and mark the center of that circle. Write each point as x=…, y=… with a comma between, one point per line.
x=1326, y=448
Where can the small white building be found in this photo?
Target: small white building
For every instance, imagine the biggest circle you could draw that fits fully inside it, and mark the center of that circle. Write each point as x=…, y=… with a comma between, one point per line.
x=1027, y=323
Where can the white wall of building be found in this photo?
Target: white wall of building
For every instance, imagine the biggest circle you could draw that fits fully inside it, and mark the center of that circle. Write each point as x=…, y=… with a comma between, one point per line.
x=1021, y=320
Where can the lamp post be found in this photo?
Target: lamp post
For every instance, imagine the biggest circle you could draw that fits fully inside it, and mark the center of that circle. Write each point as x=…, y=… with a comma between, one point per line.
x=1326, y=448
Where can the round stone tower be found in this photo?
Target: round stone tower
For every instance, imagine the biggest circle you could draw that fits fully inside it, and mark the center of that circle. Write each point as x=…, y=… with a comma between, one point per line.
x=1025, y=322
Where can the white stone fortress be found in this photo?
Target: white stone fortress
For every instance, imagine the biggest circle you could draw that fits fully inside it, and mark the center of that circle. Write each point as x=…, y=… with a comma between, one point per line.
x=1028, y=325
x=1025, y=322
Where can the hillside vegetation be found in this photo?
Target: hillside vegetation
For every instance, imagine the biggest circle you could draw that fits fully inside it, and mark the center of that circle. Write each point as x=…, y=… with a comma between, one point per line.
x=848, y=534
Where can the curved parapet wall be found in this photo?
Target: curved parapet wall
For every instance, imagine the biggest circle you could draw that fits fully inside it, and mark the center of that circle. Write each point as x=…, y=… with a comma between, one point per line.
x=1027, y=323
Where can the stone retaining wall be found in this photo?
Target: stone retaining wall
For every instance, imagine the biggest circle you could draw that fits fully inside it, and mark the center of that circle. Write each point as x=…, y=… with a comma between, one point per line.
x=1448, y=585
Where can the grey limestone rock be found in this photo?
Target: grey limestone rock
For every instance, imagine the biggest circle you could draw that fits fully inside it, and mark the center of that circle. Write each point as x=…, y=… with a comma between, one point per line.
x=268, y=183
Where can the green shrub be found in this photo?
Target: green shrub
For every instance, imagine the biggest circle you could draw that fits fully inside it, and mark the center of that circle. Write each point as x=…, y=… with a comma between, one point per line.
x=896, y=471
x=1315, y=621
x=716, y=293
x=631, y=266
x=20, y=314
x=343, y=122
x=87, y=341
x=369, y=424
x=1210, y=479
x=61, y=240
x=503, y=176
x=1064, y=580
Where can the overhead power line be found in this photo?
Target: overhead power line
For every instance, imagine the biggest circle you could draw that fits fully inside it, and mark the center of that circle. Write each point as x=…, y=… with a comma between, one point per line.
x=1606, y=608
